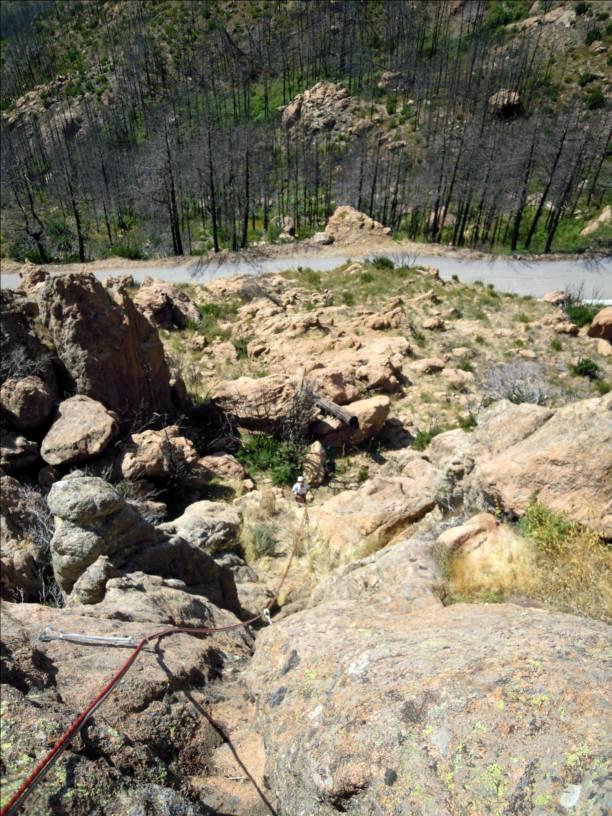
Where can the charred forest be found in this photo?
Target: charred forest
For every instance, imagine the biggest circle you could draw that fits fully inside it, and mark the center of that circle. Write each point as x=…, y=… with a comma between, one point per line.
x=156, y=127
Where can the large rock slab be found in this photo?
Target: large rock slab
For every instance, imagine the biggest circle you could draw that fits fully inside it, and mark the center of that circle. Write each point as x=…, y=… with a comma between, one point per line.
x=99, y=535
x=566, y=463
x=21, y=352
x=110, y=351
x=150, y=736
x=92, y=519
x=258, y=404
x=380, y=509
x=82, y=430
x=368, y=710
x=156, y=454
x=211, y=526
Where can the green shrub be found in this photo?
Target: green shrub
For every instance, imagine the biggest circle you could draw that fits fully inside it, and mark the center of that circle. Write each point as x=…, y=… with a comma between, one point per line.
x=581, y=314
x=585, y=78
x=581, y=8
x=419, y=337
x=467, y=422
x=273, y=232
x=556, y=344
x=585, y=367
x=129, y=250
x=258, y=540
x=241, y=344
x=348, y=298
x=366, y=277
x=282, y=460
x=603, y=387
x=480, y=340
x=311, y=277
x=423, y=438
x=363, y=474
x=595, y=99
x=573, y=562
x=381, y=262
x=592, y=35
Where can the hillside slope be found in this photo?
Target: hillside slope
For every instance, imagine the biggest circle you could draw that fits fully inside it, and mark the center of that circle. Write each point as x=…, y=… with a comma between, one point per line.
x=149, y=128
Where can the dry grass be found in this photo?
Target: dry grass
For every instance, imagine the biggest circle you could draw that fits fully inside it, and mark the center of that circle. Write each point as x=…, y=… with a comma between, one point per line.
x=574, y=564
x=558, y=562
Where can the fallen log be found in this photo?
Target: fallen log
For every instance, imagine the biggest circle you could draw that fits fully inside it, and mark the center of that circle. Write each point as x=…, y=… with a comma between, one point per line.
x=329, y=407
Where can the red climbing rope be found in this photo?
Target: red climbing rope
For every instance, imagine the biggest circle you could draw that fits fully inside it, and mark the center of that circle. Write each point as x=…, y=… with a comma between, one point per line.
x=45, y=765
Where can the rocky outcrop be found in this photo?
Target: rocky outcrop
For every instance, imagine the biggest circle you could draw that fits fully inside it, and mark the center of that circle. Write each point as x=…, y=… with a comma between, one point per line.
x=27, y=403
x=566, y=463
x=98, y=535
x=156, y=454
x=371, y=415
x=404, y=574
x=22, y=354
x=324, y=108
x=505, y=103
x=601, y=325
x=210, y=526
x=151, y=734
x=82, y=430
x=368, y=518
x=165, y=305
x=223, y=466
x=92, y=519
x=482, y=708
x=257, y=404
x=110, y=351
x=349, y=226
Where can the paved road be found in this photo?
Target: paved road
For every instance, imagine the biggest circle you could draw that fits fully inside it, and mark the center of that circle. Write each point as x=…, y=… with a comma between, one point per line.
x=592, y=276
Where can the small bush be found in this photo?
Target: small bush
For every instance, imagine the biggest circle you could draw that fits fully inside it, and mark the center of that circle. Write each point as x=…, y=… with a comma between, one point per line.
x=592, y=35
x=515, y=381
x=603, y=387
x=480, y=340
x=129, y=250
x=581, y=314
x=348, y=298
x=381, y=262
x=282, y=460
x=363, y=474
x=585, y=367
x=258, y=541
x=585, y=78
x=419, y=337
x=467, y=422
x=522, y=317
x=581, y=8
x=367, y=277
x=311, y=277
x=556, y=344
x=241, y=345
x=595, y=99
x=423, y=438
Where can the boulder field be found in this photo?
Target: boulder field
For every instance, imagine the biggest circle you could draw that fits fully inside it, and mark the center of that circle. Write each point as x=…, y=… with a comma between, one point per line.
x=415, y=664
